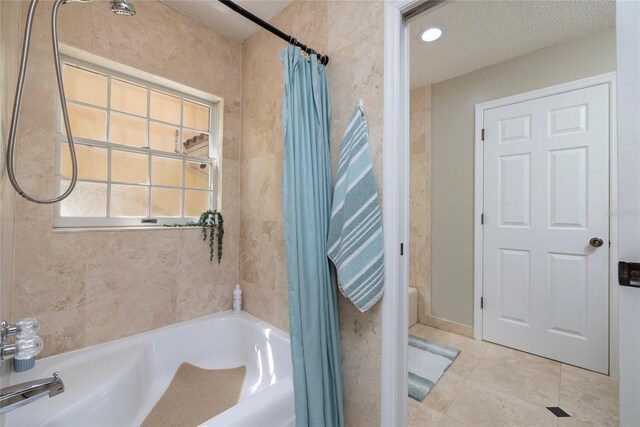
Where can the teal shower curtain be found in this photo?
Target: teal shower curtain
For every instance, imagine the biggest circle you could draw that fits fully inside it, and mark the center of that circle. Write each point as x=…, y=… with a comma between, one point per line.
x=306, y=206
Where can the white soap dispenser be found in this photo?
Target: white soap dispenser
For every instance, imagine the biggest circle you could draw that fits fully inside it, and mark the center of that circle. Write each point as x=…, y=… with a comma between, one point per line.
x=237, y=299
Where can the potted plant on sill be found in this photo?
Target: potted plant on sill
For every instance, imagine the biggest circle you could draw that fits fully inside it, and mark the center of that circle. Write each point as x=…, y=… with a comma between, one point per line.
x=212, y=224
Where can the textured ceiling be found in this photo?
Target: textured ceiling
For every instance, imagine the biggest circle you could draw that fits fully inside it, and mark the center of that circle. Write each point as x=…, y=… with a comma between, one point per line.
x=477, y=34
x=223, y=19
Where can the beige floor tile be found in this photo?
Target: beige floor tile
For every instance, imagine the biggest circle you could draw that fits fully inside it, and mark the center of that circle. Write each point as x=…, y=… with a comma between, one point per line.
x=482, y=406
x=460, y=342
x=354, y=418
x=447, y=421
x=510, y=356
x=518, y=380
x=444, y=392
x=420, y=414
x=470, y=350
x=424, y=331
x=464, y=364
x=575, y=422
x=490, y=385
x=589, y=396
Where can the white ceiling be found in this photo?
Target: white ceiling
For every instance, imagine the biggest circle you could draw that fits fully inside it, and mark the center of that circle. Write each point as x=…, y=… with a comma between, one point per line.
x=223, y=19
x=477, y=34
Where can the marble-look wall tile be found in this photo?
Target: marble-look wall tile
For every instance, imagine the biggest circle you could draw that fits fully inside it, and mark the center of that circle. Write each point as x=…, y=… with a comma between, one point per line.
x=420, y=198
x=360, y=338
x=94, y=286
x=351, y=33
x=232, y=130
x=9, y=59
x=356, y=71
x=124, y=301
x=262, y=254
x=103, y=287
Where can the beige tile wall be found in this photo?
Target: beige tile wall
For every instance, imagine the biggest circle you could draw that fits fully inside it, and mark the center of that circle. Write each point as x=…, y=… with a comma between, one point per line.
x=88, y=287
x=9, y=56
x=351, y=33
x=93, y=286
x=420, y=198
x=356, y=46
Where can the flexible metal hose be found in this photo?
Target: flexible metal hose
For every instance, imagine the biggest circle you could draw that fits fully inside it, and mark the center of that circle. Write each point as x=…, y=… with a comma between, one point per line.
x=18, y=102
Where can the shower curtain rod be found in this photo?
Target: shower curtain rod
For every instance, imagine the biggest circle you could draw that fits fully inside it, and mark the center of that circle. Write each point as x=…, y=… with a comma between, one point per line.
x=323, y=59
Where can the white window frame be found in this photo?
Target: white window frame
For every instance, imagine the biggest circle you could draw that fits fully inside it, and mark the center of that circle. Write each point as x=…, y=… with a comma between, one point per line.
x=120, y=72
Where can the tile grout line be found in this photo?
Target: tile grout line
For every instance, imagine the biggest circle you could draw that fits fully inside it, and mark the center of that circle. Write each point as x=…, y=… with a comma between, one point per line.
x=502, y=392
x=519, y=351
x=560, y=383
x=444, y=413
x=469, y=381
x=464, y=383
x=559, y=388
x=467, y=378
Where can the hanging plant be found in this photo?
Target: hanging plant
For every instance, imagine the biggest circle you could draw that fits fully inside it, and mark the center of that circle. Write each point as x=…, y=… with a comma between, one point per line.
x=212, y=224
x=211, y=221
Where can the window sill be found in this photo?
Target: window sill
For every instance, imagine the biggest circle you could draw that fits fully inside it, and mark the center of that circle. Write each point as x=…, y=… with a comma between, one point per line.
x=118, y=229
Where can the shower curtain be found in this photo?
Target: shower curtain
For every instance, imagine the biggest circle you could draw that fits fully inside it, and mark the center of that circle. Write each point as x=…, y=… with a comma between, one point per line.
x=306, y=207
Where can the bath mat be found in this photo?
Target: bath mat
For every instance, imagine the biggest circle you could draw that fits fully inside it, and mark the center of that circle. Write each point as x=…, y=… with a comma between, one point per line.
x=427, y=361
x=196, y=395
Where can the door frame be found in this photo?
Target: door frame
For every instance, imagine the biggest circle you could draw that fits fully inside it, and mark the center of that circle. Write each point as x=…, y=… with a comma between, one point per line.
x=610, y=80
x=393, y=402
x=627, y=48
x=395, y=206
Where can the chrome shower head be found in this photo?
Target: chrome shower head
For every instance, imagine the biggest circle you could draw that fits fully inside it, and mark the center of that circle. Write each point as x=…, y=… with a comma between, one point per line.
x=122, y=7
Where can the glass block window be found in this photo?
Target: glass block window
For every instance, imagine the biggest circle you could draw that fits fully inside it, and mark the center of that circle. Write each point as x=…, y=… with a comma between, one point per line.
x=146, y=152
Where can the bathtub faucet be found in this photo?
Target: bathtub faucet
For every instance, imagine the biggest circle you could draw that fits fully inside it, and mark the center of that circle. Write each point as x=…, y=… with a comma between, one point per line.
x=28, y=344
x=18, y=395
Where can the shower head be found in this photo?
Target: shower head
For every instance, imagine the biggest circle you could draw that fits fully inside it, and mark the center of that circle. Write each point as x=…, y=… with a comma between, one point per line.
x=119, y=7
x=122, y=7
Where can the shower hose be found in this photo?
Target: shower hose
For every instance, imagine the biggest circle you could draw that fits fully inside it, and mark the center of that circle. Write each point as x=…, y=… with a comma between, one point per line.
x=11, y=145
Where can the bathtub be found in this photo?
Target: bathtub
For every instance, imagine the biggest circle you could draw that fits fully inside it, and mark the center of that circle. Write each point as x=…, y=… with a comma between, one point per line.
x=118, y=383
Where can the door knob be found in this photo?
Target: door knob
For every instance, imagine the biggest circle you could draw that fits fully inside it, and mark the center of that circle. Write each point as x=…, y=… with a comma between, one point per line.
x=596, y=242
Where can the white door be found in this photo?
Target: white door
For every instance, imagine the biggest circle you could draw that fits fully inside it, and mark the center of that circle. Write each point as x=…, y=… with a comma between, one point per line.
x=546, y=195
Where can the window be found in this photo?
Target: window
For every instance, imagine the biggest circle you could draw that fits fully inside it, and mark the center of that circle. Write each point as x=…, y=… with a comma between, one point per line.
x=146, y=153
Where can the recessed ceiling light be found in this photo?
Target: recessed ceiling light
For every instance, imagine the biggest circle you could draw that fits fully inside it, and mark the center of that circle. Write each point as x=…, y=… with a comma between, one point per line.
x=431, y=34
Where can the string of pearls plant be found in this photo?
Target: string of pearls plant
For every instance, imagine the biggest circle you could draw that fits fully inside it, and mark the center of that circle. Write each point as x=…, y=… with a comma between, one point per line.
x=212, y=224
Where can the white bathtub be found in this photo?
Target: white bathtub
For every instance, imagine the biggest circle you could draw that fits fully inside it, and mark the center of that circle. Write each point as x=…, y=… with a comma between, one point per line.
x=119, y=382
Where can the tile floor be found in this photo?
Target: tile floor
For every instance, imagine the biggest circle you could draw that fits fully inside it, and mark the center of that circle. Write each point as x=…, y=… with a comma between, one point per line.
x=491, y=385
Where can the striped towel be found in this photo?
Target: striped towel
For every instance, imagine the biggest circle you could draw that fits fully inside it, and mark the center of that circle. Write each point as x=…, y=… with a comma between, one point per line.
x=355, y=241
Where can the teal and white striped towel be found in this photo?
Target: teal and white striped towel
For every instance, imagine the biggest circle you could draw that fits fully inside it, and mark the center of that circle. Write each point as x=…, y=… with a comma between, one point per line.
x=355, y=242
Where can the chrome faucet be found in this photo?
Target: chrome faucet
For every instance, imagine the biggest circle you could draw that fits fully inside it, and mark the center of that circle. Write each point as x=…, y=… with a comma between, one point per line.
x=19, y=395
x=27, y=346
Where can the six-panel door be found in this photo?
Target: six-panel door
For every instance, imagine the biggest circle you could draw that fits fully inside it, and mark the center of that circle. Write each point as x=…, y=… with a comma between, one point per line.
x=546, y=194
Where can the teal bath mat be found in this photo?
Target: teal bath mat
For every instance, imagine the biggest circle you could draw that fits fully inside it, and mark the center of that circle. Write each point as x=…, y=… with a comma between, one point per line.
x=427, y=362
